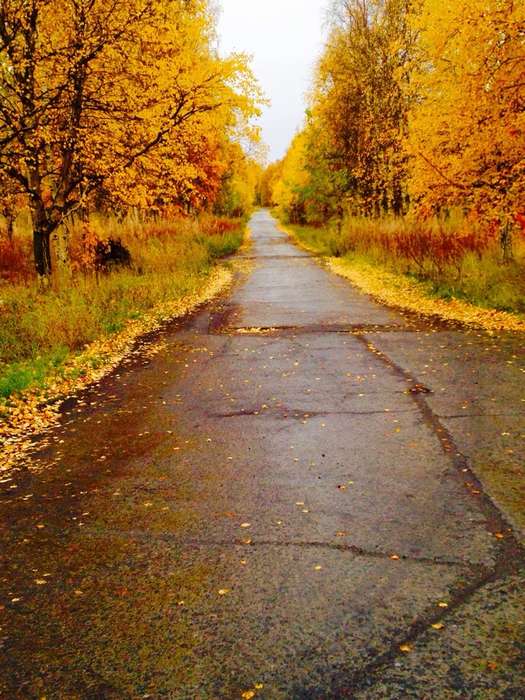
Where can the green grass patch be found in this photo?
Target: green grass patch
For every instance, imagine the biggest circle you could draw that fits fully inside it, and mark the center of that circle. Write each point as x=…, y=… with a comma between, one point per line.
x=18, y=376
x=220, y=246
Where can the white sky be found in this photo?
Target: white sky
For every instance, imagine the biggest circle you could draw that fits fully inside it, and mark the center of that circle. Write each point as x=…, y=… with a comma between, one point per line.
x=285, y=39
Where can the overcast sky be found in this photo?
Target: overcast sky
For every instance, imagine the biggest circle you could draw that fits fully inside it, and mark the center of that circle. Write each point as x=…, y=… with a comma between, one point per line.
x=285, y=38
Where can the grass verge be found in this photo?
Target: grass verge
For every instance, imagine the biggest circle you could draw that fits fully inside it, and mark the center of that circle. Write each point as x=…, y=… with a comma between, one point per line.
x=40, y=331
x=55, y=344
x=469, y=303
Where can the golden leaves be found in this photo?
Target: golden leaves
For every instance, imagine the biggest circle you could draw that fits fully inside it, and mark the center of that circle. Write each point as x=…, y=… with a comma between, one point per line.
x=474, y=112
x=397, y=290
x=249, y=694
x=31, y=414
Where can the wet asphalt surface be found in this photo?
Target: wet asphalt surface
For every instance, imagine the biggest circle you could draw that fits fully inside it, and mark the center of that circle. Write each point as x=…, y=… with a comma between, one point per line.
x=276, y=493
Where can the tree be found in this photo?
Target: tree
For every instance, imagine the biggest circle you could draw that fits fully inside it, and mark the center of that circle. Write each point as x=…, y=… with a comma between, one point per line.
x=352, y=156
x=287, y=192
x=267, y=181
x=467, y=122
x=359, y=106
x=91, y=90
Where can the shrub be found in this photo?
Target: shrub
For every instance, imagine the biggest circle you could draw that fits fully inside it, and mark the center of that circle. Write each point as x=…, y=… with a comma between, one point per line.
x=15, y=261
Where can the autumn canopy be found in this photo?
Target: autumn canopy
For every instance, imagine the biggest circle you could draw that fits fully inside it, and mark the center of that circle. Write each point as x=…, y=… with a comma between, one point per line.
x=417, y=107
x=119, y=104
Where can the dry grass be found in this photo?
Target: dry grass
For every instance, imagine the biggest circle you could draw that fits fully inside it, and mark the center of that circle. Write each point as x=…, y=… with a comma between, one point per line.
x=464, y=281
x=170, y=261
x=452, y=260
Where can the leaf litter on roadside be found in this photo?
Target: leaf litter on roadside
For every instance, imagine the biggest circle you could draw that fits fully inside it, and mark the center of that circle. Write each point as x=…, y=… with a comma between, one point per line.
x=36, y=411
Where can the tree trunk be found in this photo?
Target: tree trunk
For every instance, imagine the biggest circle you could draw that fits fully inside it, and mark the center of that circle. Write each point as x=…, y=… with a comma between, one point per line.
x=42, y=252
x=41, y=240
x=60, y=256
x=506, y=242
x=10, y=227
x=397, y=199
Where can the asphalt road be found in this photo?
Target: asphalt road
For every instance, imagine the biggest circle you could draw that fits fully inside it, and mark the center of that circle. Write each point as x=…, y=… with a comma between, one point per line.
x=275, y=497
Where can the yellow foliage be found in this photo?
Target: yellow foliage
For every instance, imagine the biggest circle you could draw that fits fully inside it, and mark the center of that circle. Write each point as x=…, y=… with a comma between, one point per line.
x=292, y=176
x=467, y=125
x=133, y=106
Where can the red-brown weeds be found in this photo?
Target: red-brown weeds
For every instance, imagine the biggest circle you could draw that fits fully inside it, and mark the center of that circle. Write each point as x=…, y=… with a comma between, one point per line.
x=15, y=261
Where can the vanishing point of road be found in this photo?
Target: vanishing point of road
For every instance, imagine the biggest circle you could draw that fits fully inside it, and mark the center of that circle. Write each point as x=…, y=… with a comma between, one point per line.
x=275, y=498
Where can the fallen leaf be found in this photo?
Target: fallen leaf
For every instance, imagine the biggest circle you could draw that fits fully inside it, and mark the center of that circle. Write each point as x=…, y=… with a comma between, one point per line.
x=438, y=626
x=245, y=525
x=224, y=591
x=405, y=648
x=248, y=694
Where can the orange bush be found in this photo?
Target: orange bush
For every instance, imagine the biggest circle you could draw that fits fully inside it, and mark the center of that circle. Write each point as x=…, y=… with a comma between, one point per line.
x=426, y=244
x=439, y=246
x=213, y=226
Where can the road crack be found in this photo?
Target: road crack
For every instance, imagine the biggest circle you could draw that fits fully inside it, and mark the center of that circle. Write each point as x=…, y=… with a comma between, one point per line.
x=356, y=550
x=369, y=675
